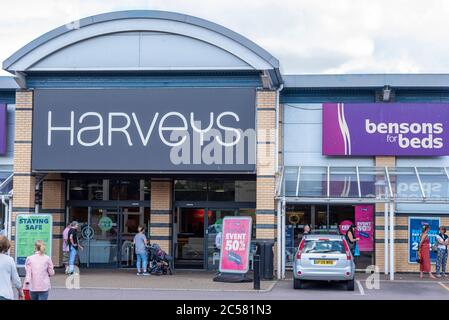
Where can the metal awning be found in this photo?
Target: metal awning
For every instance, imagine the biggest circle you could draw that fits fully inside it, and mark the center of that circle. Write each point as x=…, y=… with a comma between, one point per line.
x=6, y=179
x=363, y=184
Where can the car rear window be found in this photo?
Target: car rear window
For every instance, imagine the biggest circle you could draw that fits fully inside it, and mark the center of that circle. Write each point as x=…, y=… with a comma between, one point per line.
x=324, y=246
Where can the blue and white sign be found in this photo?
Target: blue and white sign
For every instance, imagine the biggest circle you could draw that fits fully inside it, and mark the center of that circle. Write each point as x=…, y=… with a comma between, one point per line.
x=415, y=225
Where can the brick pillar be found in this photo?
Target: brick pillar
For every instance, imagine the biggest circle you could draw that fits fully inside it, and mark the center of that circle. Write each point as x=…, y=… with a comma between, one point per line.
x=161, y=228
x=24, y=180
x=53, y=201
x=379, y=217
x=266, y=155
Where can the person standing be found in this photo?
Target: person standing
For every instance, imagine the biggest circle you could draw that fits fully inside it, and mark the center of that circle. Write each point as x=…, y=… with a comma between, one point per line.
x=443, y=241
x=351, y=239
x=424, y=253
x=74, y=246
x=65, y=248
x=8, y=273
x=140, y=243
x=39, y=268
x=306, y=231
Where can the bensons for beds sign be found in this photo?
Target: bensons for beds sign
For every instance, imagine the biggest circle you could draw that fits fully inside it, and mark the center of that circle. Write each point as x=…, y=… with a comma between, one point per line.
x=153, y=129
x=390, y=129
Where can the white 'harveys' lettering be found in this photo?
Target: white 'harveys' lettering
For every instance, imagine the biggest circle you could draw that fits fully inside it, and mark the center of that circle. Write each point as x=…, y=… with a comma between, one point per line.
x=144, y=128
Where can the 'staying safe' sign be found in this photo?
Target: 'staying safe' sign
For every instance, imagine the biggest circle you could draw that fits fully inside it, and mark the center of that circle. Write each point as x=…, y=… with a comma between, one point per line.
x=29, y=229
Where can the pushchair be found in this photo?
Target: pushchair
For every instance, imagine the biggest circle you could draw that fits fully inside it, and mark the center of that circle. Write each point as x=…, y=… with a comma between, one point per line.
x=159, y=262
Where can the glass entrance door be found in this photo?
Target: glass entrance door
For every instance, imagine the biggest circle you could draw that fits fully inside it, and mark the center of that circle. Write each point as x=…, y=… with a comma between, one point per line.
x=189, y=238
x=213, y=233
x=105, y=227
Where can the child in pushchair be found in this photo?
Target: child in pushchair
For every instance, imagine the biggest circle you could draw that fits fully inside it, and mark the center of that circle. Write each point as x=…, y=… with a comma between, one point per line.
x=159, y=260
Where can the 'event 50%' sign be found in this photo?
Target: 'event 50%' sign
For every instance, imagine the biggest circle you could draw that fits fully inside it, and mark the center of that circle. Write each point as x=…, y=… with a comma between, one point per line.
x=235, y=244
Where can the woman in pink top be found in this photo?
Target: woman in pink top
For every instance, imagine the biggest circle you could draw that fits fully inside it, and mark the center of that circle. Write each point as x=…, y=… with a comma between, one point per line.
x=39, y=269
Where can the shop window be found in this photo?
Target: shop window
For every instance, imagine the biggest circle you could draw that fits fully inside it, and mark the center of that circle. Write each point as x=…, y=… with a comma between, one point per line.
x=215, y=190
x=221, y=191
x=147, y=220
x=190, y=190
x=338, y=214
x=147, y=190
x=124, y=189
x=245, y=191
x=86, y=189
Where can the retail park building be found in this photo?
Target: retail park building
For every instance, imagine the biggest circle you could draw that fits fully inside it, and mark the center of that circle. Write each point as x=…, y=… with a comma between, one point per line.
x=174, y=122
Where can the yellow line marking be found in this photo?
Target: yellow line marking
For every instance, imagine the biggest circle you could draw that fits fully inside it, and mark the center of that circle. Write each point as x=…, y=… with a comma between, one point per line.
x=444, y=286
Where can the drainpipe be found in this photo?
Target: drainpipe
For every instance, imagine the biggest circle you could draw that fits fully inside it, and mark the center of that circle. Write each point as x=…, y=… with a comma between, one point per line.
x=276, y=135
x=279, y=241
x=6, y=219
x=280, y=204
x=386, y=237
x=391, y=241
x=283, y=238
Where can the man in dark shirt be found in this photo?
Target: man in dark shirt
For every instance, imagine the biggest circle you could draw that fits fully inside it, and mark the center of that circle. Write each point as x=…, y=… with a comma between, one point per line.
x=73, y=245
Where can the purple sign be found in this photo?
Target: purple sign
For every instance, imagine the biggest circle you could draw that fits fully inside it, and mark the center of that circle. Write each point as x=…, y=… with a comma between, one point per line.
x=3, y=128
x=385, y=129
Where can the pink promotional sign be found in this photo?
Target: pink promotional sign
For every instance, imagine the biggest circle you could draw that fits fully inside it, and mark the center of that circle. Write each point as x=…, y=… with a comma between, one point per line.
x=235, y=244
x=365, y=227
x=344, y=226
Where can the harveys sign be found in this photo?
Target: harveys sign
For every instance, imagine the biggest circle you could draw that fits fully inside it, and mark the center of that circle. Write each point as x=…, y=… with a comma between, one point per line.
x=153, y=129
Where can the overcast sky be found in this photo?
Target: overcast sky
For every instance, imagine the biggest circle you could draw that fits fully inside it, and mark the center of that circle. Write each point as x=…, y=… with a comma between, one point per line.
x=307, y=36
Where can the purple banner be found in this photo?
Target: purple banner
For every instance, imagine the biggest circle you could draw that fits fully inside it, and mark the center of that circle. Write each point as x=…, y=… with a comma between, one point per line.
x=3, y=130
x=385, y=129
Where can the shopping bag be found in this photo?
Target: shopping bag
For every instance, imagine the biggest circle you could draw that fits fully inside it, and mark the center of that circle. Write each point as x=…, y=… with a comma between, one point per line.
x=26, y=294
x=356, y=250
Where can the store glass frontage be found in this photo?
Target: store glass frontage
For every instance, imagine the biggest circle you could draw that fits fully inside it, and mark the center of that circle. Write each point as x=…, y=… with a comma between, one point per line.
x=325, y=219
x=195, y=232
x=109, y=212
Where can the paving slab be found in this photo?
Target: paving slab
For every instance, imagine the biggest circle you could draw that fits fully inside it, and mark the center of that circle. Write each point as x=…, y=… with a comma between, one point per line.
x=127, y=279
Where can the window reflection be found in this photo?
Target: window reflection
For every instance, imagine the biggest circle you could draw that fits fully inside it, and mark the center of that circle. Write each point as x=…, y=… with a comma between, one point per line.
x=215, y=190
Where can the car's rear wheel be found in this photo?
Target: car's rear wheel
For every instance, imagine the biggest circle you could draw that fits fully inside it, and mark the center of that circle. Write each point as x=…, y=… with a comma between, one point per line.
x=350, y=285
x=297, y=284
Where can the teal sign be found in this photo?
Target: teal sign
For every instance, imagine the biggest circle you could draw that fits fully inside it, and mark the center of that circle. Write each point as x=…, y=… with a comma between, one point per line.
x=105, y=223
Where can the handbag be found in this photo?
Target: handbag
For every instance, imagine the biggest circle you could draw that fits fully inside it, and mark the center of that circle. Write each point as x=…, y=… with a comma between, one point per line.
x=434, y=247
x=356, y=250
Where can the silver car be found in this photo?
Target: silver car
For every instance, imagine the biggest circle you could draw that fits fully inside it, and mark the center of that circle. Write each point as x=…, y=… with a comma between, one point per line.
x=323, y=257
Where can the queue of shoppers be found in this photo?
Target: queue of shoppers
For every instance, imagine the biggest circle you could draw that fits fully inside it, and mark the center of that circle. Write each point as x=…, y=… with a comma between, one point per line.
x=424, y=249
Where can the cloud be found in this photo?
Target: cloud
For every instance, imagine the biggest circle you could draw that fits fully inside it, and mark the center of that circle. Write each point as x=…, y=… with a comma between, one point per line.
x=307, y=36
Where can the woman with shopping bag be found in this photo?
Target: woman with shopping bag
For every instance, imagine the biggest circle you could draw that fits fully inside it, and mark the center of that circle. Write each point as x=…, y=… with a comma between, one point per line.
x=351, y=239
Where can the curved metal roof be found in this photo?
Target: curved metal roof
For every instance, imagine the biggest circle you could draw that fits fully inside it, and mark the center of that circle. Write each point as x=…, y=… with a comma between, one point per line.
x=142, y=14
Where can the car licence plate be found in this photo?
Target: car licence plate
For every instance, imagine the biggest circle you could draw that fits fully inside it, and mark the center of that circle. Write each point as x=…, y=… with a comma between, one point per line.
x=325, y=262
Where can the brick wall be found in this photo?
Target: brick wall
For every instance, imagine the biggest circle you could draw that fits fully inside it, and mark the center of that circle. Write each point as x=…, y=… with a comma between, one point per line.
x=266, y=155
x=161, y=214
x=24, y=180
x=53, y=201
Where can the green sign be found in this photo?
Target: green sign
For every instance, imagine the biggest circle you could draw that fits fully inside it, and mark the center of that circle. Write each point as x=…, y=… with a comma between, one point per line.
x=29, y=229
x=105, y=223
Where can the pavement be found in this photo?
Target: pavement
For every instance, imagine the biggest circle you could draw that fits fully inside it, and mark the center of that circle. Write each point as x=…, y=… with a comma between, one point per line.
x=94, y=284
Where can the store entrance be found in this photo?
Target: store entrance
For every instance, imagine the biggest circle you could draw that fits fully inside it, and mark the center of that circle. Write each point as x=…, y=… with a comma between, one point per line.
x=106, y=235
x=195, y=236
x=333, y=219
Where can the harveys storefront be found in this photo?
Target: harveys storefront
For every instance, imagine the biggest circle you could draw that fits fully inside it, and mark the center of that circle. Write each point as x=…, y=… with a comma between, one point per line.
x=145, y=118
x=373, y=152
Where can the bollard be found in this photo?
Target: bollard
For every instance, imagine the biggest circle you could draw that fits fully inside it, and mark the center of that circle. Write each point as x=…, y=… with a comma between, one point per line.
x=256, y=268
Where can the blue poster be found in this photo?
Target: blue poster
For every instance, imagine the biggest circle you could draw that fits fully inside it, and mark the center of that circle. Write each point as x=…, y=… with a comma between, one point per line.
x=415, y=226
